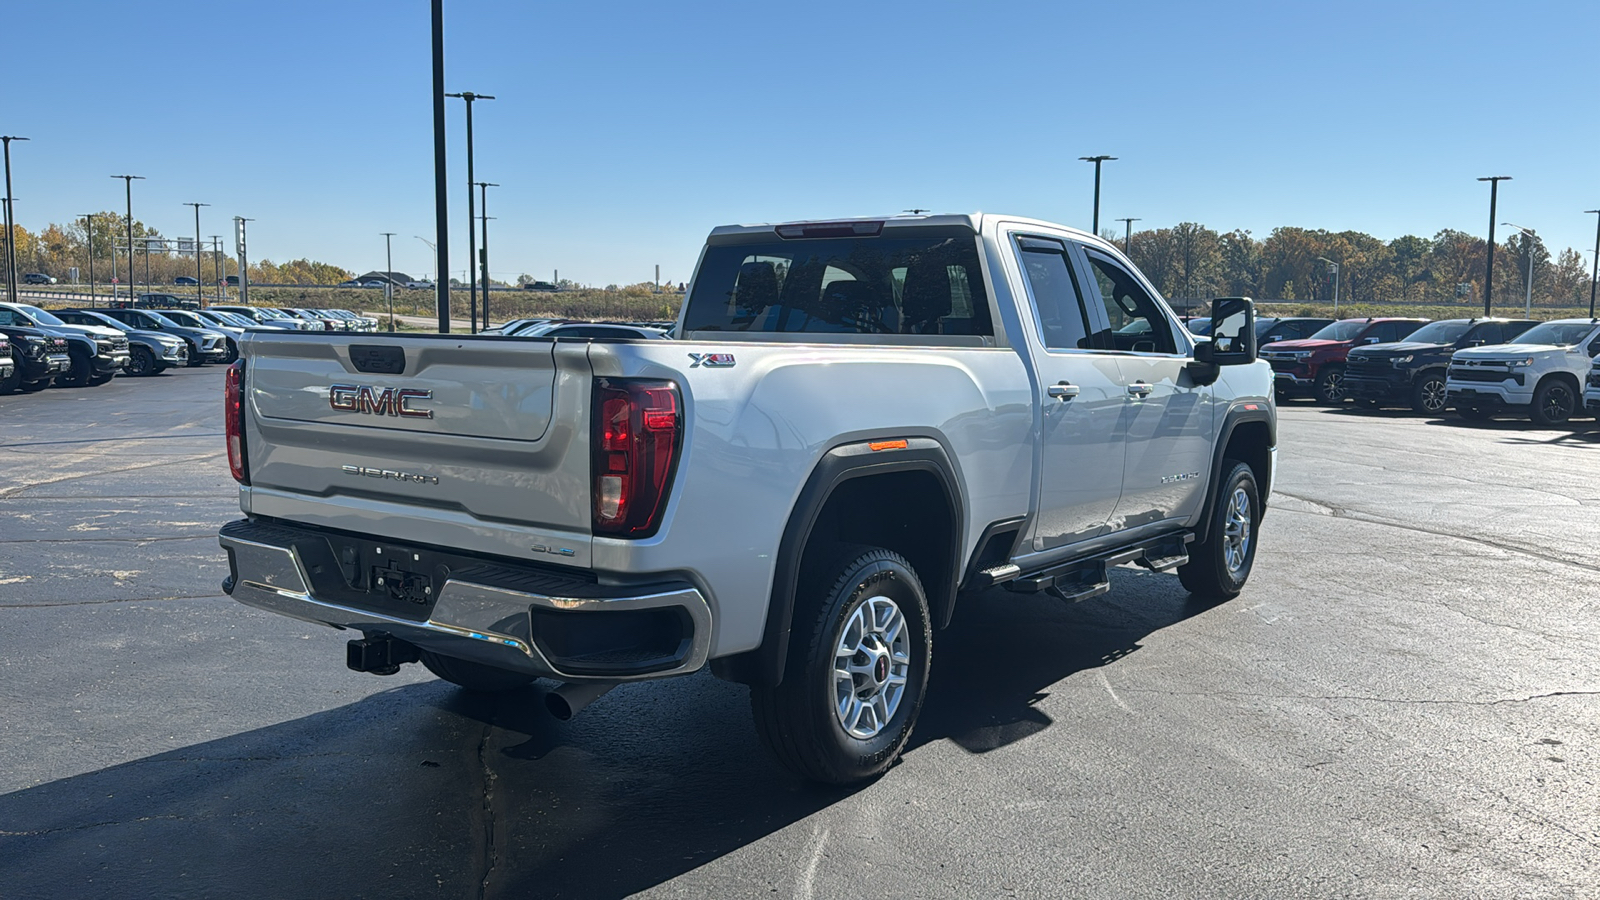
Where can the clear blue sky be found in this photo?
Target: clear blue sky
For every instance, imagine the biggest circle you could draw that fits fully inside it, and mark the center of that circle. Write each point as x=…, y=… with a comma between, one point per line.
x=624, y=131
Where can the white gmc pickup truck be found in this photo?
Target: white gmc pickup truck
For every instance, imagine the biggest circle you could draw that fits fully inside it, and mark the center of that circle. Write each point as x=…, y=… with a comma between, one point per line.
x=860, y=423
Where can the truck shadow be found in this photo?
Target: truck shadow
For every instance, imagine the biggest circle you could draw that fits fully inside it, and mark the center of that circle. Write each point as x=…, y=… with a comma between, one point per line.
x=423, y=790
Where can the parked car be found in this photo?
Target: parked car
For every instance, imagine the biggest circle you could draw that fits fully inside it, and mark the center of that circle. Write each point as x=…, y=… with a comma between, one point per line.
x=96, y=353
x=1591, y=393
x=8, y=368
x=164, y=301
x=501, y=512
x=191, y=318
x=149, y=352
x=268, y=317
x=1412, y=372
x=1199, y=325
x=420, y=285
x=38, y=357
x=350, y=284
x=319, y=321
x=1539, y=374
x=206, y=345
x=221, y=316
x=186, y=279
x=542, y=286
x=517, y=325
x=37, y=278
x=372, y=284
x=233, y=281
x=591, y=330
x=1290, y=328
x=1315, y=365
x=353, y=321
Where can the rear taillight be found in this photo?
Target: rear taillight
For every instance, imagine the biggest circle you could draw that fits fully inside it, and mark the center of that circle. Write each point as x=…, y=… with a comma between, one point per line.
x=233, y=421
x=638, y=429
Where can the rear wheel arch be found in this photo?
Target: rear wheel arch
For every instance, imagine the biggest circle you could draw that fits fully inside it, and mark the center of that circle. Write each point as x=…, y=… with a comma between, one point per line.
x=907, y=501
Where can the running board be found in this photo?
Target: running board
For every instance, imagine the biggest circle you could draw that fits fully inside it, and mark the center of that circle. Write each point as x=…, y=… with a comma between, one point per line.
x=1085, y=578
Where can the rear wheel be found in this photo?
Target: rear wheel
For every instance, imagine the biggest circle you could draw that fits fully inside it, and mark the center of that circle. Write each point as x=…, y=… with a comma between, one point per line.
x=141, y=362
x=1329, y=386
x=1219, y=566
x=1428, y=395
x=1553, y=403
x=857, y=669
x=475, y=677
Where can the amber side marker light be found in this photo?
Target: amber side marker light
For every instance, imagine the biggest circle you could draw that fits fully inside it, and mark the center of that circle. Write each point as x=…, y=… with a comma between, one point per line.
x=887, y=445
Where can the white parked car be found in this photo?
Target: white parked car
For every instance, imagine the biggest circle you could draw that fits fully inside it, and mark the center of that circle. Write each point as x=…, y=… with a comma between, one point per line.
x=1539, y=374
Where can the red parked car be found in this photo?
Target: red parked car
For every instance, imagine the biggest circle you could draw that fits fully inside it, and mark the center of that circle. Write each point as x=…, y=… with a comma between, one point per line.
x=1314, y=366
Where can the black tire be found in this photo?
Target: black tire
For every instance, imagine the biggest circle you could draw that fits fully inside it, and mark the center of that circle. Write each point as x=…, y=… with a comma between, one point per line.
x=195, y=359
x=799, y=720
x=141, y=362
x=1473, y=413
x=233, y=353
x=1428, y=395
x=1329, y=387
x=34, y=387
x=80, y=373
x=1554, y=402
x=11, y=382
x=475, y=677
x=97, y=380
x=1209, y=574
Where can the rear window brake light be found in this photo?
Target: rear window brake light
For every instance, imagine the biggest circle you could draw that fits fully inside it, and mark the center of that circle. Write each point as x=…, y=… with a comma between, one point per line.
x=830, y=230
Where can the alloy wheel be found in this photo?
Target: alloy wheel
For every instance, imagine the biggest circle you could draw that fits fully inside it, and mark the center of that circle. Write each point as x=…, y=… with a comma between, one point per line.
x=1434, y=396
x=871, y=664
x=1236, y=532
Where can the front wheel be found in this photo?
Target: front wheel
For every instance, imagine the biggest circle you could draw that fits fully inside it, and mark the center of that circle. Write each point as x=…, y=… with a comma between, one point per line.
x=1329, y=386
x=79, y=374
x=1553, y=403
x=233, y=353
x=195, y=359
x=857, y=668
x=1428, y=395
x=141, y=362
x=1219, y=566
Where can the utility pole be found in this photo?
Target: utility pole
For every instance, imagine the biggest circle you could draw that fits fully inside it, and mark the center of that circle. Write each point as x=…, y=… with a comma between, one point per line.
x=388, y=274
x=441, y=198
x=1594, y=275
x=483, y=257
x=88, y=241
x=1097, y=160
x=11, y=234
x=239, y=246
x=472, y=238
x=1488, y=287
x=1528, y=235
x=128, y=181
x=199, y=280
x=1127, y=238
x=218, y=267
x=1333, y=268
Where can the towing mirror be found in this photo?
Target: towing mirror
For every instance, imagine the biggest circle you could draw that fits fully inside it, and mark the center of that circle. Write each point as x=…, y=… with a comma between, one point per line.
x=1233, y=333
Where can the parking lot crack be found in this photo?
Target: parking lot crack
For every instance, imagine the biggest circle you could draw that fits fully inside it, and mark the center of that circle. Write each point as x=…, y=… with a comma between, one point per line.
x=7, y=493
x=489, y=855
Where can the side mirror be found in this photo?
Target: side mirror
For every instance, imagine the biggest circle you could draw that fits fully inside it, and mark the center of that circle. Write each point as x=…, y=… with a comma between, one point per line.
x=1233, y=332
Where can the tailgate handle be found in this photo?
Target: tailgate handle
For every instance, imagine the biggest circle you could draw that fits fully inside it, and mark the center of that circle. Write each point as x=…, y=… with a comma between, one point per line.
x=376, y=359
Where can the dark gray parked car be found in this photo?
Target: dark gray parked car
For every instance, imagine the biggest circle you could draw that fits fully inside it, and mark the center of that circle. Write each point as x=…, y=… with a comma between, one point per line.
x=150, y=352
x=205, y=345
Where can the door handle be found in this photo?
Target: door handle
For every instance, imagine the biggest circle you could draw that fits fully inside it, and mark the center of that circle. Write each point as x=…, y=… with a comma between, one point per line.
x=1062, y=391
x=1140, y=389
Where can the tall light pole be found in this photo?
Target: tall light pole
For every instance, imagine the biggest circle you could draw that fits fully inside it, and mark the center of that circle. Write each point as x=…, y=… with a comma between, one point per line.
x=1127, y=237
x=1097, y=160
x=88, y=241
x=217, y=266
x=483, y=260
x=472, y=240
x=1594, y=275
x=1488, y=287
x=441, y=194
x=435, y=249
x=388, y=275
x=1333, y=267
x=1528, y=234
x=240, y=246
x=11, y=234
x=199, y=280
x=128, y=181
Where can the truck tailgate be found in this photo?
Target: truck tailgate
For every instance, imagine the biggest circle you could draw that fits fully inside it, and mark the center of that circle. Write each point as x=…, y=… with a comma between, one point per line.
x=473, y=442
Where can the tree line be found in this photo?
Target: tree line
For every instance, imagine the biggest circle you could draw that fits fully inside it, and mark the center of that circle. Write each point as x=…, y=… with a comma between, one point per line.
x=1191, y=261
x=57, y=248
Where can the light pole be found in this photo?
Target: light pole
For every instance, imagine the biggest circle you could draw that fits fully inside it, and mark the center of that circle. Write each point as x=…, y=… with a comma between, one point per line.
x=435, y=250
x=441, y=194
x=483, y=260
x=1097, y=160
x=218, y=267
x=11, y=234
x=1488, y=287
x=199, y=280
x=1333, y=268
x=472, y=240
x=240, y=246
x=128, y=181
x=1127, y=237
x=1528, y=234
x=388, y=275
x=88, y=241
x=1594, y=274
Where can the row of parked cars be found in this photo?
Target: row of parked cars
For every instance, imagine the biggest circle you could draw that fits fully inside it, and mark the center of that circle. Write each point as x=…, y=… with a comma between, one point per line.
x=1547, y=372
x=88, y=346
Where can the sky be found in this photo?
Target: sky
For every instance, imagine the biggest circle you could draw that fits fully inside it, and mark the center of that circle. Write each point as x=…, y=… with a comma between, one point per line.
x=622, y=132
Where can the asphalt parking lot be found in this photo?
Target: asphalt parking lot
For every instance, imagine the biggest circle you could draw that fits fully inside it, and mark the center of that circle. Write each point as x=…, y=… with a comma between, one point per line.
x=1404, y=702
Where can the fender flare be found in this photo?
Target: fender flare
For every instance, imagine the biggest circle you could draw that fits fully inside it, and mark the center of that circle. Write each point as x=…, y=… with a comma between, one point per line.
x=846, y=462
x=1237, y=415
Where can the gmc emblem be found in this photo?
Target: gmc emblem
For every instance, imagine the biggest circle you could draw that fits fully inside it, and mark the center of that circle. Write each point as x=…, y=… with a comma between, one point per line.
x=387, y=401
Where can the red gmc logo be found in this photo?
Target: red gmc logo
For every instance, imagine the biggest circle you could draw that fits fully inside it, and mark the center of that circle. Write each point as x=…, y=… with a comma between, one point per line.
x=387, y=401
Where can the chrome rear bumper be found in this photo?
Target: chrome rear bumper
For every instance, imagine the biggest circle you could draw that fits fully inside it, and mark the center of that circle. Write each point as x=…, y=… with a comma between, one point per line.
x=489, y=624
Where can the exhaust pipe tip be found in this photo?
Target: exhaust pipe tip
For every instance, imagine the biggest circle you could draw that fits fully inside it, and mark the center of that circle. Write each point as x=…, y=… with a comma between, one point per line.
x=570, y=699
